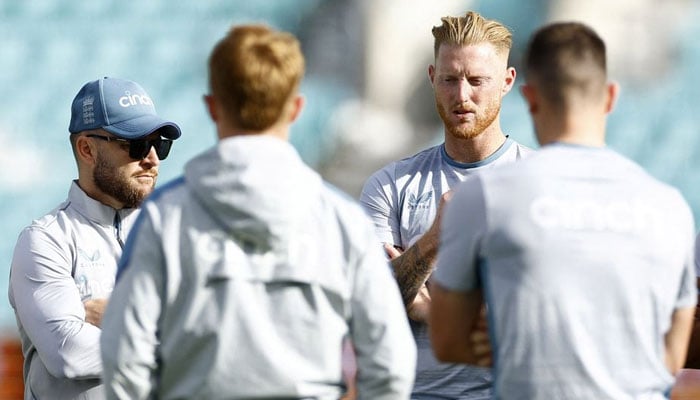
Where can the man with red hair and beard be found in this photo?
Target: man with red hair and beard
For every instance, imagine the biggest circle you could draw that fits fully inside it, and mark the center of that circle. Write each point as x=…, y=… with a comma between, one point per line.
x=64, y=264
x=470, y=76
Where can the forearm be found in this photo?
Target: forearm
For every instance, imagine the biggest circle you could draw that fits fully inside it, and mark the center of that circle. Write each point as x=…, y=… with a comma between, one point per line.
x=453, y=318
x=457, y=355
x=52, y=316
x=693, y=358
x=74, y=354
x=677, y=338
x=413, y=267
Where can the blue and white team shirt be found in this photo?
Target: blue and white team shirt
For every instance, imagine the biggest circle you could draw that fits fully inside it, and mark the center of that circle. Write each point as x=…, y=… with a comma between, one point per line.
x=583, y=258
x=402, y=199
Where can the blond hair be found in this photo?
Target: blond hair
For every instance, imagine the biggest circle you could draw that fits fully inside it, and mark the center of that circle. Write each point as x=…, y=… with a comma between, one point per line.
x=254, y=72
x=471, y=29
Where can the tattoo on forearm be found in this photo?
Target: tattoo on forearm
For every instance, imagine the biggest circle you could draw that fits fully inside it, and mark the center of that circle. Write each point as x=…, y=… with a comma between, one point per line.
x=411, y=269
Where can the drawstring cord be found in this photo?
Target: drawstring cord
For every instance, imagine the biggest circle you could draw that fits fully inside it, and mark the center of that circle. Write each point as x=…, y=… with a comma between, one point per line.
x=118, y=228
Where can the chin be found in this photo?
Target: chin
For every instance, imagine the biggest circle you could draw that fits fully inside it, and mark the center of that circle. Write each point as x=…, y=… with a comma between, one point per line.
x=464, y=133
x=141, y=192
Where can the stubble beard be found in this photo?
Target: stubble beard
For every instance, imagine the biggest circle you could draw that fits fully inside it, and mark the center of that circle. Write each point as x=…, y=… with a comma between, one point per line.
x=108, y=180
x=468, y=131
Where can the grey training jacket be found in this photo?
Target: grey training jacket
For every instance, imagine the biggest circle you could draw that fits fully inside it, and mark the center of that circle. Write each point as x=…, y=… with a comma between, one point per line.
x=241, y=281
x=62, y=259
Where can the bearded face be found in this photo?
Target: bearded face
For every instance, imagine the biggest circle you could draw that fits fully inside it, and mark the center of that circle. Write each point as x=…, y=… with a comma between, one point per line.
x=469, y=83
x=125, y=186
x=464, y=120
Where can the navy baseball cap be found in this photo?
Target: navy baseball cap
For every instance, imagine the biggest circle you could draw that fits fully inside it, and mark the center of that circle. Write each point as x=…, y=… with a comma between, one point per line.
x=119, y=106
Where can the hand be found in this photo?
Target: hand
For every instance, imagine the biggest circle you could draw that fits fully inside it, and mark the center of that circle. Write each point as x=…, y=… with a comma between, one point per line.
x=419, y=309
x=392, y=251
x=94, y=309
x=481, y=345
x=349, y=370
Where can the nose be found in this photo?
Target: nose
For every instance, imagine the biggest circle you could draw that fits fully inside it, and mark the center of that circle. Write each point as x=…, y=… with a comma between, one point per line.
x=464, y=90
x=151, y=158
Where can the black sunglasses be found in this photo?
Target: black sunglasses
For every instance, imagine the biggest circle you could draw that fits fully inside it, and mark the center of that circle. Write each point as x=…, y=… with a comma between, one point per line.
x=138, y=149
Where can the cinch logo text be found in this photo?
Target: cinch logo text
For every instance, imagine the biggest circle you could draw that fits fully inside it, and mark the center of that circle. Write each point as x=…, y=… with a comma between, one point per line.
x=595, y=215
x=129, y=100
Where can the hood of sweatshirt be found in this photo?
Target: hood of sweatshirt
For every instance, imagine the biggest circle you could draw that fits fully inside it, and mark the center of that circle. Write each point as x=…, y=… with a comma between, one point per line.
x=256, y=187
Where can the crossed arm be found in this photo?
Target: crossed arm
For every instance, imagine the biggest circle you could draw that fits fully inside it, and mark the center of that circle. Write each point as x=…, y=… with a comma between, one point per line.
x=677, y=338
x=413, y=267
x=47, y=303
x=456, y=331
x=693, y=359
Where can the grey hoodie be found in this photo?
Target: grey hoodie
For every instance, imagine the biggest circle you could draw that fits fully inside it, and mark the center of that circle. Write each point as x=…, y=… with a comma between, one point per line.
x=241, y=281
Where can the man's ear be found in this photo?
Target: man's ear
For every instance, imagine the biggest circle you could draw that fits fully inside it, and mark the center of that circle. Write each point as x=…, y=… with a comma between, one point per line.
x=530, y=95
x=85, y=150
x=509, y=80
x=431, y=74
x=297, y=105
x=612, y=93
x=210, y=102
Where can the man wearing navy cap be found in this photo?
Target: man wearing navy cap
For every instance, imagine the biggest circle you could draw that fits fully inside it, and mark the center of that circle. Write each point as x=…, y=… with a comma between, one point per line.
x=65, y=262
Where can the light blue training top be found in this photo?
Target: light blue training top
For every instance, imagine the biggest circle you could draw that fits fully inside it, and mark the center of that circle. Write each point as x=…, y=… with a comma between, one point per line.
x=583, y=258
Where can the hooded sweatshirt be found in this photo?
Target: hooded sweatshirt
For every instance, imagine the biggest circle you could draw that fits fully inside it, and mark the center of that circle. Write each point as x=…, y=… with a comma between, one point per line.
x=242, y=279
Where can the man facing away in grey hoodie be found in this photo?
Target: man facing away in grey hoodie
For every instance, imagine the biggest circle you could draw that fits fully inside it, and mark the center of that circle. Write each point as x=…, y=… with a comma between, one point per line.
x=242, y=278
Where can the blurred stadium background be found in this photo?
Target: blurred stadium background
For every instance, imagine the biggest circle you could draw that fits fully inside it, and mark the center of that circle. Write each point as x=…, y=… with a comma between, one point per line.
x=368, y=96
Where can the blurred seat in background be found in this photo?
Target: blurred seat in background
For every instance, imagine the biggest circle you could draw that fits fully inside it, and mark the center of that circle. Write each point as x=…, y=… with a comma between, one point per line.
x=11, y=381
